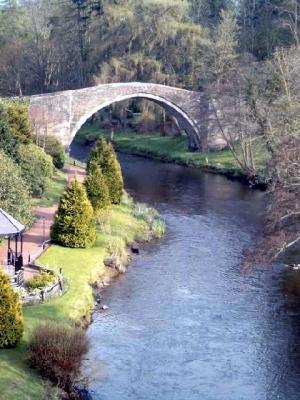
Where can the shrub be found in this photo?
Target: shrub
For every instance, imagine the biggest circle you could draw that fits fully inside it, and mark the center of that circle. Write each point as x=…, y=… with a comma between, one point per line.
x=14, y=192
x=90, y=138
x=54, y=148
x=96, y=188
x=18, y=120
x=36, y=166
x=57, y=351
x=104, y=155
x=146, y=213
x=11, y=319
x=158, y=228
x=118, y=255
x=151, y=217
x=74, y=224
x=41, y=280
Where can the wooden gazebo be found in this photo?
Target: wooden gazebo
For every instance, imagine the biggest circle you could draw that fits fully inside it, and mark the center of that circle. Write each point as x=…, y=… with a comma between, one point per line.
x=12, y=230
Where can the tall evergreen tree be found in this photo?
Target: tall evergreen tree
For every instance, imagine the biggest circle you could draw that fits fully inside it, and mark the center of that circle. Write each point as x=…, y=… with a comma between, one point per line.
x=7, y=141
x=74, y=224
x=96, y=152
x=18, y=121
x=11, y=318
x=104, y=155
x=96, y=188
x=113, y=174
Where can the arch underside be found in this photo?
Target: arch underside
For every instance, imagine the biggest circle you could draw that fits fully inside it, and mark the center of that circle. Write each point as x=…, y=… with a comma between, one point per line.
x=184, y=120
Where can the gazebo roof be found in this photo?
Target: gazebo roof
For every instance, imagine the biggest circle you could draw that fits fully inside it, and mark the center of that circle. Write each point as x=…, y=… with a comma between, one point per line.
x=8, y=225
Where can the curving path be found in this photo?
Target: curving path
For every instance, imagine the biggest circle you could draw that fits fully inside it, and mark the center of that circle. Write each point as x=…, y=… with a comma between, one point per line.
x=40, y=231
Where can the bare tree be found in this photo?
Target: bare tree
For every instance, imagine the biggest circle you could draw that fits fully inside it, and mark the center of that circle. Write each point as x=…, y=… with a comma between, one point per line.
x=282, y=223
x=231, y=96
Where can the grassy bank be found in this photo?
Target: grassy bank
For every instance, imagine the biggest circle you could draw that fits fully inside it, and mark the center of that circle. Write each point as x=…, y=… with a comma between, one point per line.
x=81, y=267
x=175, y=150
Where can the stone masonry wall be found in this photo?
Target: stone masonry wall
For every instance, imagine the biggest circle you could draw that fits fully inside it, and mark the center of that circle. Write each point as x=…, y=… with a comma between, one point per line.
x=63, y=113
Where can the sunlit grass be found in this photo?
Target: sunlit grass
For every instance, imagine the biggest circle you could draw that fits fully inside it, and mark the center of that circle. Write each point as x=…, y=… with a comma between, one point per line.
x=81, y=267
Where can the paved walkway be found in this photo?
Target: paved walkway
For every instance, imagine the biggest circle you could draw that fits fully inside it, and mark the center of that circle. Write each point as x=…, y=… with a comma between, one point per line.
x=40, y=231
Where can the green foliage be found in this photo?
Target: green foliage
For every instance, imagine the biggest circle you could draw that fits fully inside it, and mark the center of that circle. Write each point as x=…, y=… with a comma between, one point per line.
x=151, y=217
x=7, y=141
x=53, y=192
x=55, y=149
x=96, y=152
x=113, y=175
x=36, y=166
x=14, y=191
x=104, y=155
x=74, y=224
x=41, y=280
x=96, y=188
x=158, y=229
x=11, y=318
x=18, y=120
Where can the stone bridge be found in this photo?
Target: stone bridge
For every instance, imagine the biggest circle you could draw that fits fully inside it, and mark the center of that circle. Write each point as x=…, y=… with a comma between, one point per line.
x=63, y=113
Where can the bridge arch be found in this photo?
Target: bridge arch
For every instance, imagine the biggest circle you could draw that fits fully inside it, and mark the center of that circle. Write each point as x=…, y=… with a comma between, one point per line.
x=183, y=119
x=62, y=114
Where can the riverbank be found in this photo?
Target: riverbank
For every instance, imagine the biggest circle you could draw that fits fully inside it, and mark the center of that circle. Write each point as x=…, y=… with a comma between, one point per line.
x=174, y=150
x=81, y=268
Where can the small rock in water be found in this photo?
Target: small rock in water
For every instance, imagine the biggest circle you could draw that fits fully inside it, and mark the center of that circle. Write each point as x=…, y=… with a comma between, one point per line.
x=135, y=248
x=82, y=393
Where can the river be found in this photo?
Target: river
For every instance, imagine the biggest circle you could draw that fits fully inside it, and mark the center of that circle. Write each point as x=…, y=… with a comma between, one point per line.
x=184, y=323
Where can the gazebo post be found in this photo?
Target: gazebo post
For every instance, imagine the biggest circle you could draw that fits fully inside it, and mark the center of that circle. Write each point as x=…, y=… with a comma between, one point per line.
x=21, y=255
x=16, y=249
x=8, y=249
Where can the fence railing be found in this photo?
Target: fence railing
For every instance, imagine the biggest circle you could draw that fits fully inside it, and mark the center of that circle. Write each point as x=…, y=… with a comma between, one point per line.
x=20, y=277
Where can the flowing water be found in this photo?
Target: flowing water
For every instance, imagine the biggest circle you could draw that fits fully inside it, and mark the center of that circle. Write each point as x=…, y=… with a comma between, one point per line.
x=184, y=323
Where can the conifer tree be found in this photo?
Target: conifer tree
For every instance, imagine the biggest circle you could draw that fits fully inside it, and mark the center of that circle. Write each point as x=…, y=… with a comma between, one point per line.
x=11, y=318
x=7, y=142
x=113, y=175
x=96, y=188
x=96, y=152
x=74, y=224
x=104, y=155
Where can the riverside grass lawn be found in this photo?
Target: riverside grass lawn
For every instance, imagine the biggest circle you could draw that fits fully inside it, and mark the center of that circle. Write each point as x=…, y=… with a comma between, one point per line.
x=175, y=150
x=81, y=267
